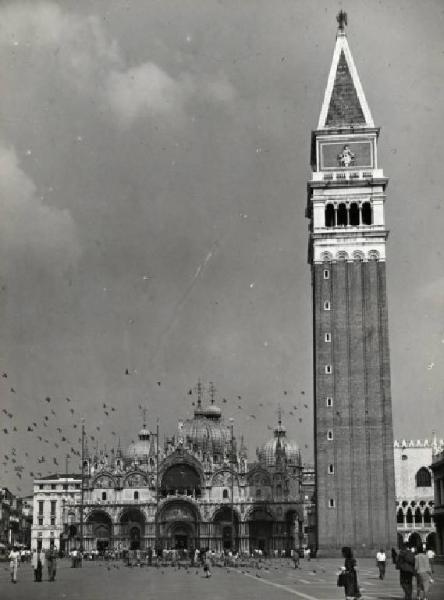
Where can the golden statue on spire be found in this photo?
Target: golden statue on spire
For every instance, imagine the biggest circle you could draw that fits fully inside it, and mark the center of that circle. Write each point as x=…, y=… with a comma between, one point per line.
x=341, y=18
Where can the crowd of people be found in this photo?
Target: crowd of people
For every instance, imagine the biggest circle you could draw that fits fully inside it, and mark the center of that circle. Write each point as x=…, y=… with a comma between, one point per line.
x=39, y=558
x=413, y=563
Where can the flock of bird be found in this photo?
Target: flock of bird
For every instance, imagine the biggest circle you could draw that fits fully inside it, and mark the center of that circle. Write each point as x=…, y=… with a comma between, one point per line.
x=64, y=443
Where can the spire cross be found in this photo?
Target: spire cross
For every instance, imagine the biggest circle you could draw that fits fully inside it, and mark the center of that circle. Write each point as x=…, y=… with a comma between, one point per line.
x=144, y=411
x=341, y=18
x=212, y=392
x=199, y=394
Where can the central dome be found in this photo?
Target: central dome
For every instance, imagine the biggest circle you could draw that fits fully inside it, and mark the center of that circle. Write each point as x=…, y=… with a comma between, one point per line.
x=207, y=431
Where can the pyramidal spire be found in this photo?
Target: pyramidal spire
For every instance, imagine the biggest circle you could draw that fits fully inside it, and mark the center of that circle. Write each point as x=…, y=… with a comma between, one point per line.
x=344, y=102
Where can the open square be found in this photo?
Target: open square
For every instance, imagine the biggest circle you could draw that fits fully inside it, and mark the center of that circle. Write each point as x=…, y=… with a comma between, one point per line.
x=274, y=580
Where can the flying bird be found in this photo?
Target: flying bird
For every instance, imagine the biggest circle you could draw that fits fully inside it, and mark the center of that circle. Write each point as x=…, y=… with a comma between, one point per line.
x=48, y=399
x=5, y=375
x=68, y=399
x=13, y=390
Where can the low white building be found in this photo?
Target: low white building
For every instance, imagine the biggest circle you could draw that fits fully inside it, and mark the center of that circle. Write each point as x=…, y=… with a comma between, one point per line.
x=415, y=490
x=52, y=495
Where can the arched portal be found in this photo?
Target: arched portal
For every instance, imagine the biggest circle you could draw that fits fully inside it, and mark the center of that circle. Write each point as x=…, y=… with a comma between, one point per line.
x=415, y=541
x=261, y=530
x=226, y=529
x=178, y=523
x=431, y=541
x=181, y=479
x=98, y=531
x=132, y=529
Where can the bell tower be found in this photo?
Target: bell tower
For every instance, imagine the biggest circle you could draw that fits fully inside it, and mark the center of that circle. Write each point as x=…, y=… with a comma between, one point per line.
x=347, y=251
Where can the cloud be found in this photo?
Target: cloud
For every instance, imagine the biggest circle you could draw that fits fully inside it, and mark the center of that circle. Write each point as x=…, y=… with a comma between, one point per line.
x=79, y=45
x=91, y=62
x=146, y=90
x=29, y=228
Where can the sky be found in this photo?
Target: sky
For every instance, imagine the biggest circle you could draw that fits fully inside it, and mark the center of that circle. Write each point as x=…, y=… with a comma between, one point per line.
x=153, y=165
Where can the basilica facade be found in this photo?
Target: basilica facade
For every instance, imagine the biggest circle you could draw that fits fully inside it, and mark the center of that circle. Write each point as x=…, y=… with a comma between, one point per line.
x=196, y=491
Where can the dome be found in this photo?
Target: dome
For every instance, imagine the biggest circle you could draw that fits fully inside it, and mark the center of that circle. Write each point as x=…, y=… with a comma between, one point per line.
x=142, y=447
x=206, y=431
x=268, y=452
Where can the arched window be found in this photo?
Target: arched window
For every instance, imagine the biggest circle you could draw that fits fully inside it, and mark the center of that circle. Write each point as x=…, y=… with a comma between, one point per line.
x=342, y=215
x=427, y=517
x=103, y=495
x=409, y=516
x=279, y=490
x=366, y=213
x=354, y=214
x=329, y=215
x=423, y=478
x=418, y=517
x=225, y=494
x=136, y=495
x=258, y=493
x=400, y=517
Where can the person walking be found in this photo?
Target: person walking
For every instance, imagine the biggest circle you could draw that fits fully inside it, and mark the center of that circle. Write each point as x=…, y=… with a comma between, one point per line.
x=38, y=562
x=350, y=576
x=207, y=565
x=381, y=560
x=14, y=557
x=406, y=565
x=423, y=574
x=52, y=564
x=295, y=557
